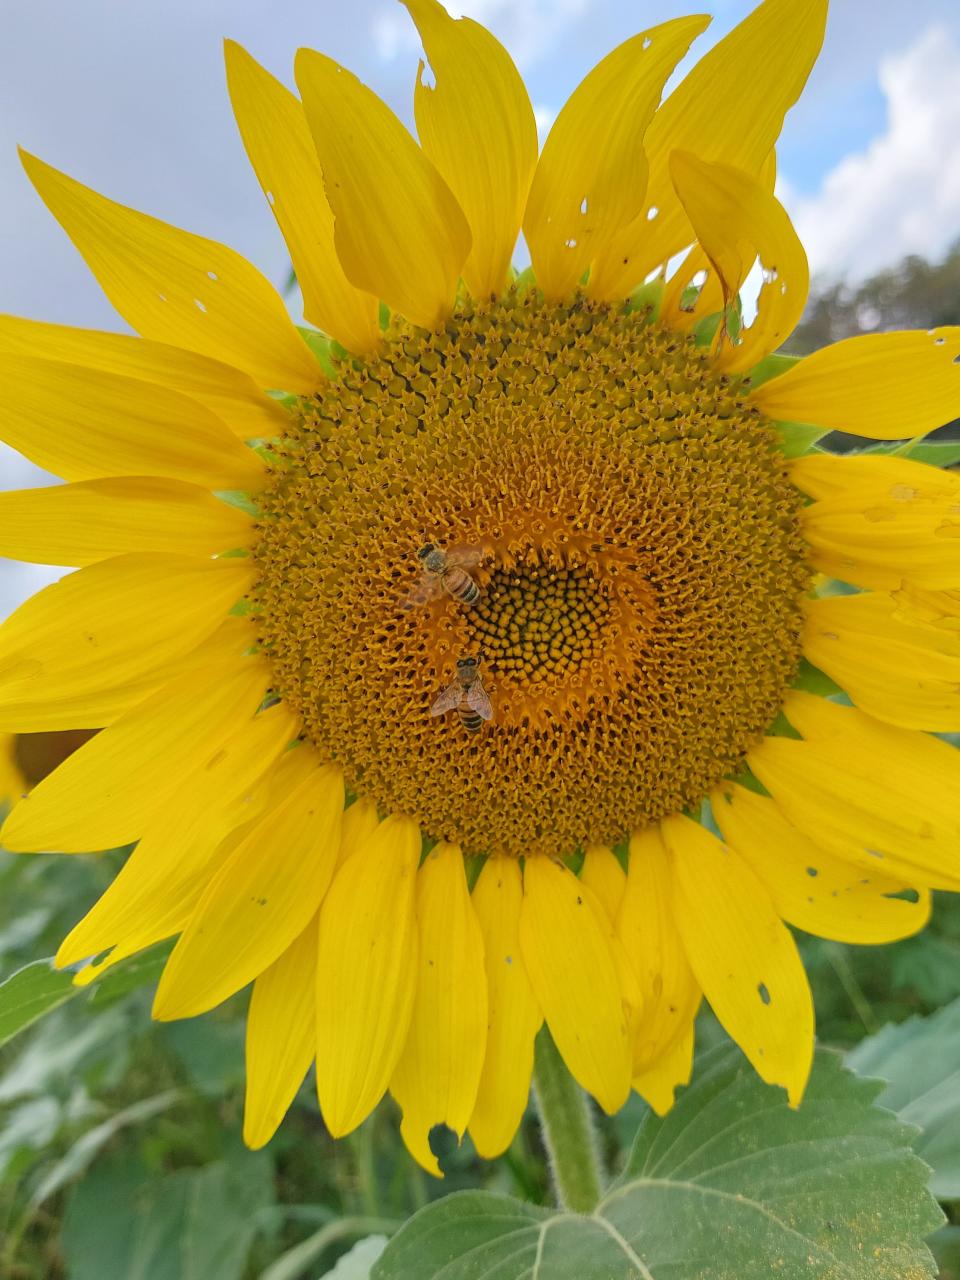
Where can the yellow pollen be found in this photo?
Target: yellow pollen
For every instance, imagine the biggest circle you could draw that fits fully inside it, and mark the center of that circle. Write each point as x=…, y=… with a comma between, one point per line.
x=635, y=538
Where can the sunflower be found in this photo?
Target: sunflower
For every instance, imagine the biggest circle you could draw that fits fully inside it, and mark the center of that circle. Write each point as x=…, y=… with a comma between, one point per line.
x=490, y=652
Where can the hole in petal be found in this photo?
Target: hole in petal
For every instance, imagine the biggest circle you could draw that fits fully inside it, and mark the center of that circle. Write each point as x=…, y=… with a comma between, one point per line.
x=271, y=199
x=652, y=212
x=763, y=993
x=199, y=305
x=569, y=244
x=812, y=871
x=212, y=275
x=427, y=77
x=583, y=205
x=162, y=297
x=770, y=274
x=647, y=42
x=691, y=294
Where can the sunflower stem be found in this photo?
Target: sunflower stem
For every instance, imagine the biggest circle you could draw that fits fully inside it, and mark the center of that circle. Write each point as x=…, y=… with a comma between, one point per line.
x=567, y=1129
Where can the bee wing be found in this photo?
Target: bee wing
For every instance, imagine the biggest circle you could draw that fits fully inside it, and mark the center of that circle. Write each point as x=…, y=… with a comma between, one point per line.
x=479, y=700
x=464, y=557
x=447, y=700
x=426, y=590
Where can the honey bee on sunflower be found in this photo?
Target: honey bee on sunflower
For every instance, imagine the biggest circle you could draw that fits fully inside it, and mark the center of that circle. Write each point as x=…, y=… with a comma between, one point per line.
x=657, y=558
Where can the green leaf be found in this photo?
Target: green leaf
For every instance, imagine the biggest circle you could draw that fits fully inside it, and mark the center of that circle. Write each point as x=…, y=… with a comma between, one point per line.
x=83, y=1152
x=648, y=297
x=223, y=1215
x=797, y=438
x=945, y=1244
x=122, y=1220
x=813, y=680
x=39, y=988
x=30, y=993
x=28, y=1127
x=322, y=348
x=357, y=1262
x=731, y=1185
x=293, y=1262
x=770, y=367
x=941, y=453
x=920, y=1060
x=139, y=971
x=938, y=453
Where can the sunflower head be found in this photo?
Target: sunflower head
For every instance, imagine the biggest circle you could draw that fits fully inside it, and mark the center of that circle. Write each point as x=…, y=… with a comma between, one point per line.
x=528, y=567
x=638, y=620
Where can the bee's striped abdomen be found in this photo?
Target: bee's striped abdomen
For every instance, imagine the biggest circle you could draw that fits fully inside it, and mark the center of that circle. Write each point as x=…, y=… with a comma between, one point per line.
x=469, y=718
x=461, y=586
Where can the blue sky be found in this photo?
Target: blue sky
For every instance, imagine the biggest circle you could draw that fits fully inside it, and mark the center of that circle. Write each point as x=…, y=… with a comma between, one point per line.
x=128, y=96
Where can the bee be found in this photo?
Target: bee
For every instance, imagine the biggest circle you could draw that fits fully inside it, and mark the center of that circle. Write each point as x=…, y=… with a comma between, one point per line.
x=467, y=695
x=447, y=572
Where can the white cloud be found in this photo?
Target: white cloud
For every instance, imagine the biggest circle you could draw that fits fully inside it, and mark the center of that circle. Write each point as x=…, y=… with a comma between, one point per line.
x=544, y=117
x=528, y=28
x=902, y=194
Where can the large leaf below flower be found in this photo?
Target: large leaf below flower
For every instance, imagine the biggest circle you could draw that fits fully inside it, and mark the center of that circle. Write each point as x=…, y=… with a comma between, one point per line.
x=730, y=1185
x=919, y=1060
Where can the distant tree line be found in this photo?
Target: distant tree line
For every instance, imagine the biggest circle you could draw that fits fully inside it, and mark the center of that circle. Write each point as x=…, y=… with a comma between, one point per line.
x=915, y=294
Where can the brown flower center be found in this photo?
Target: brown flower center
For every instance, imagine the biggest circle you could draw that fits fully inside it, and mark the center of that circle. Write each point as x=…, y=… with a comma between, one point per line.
x=635, y=539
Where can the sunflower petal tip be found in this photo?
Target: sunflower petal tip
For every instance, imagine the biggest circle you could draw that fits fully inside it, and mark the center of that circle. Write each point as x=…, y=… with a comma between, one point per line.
x=417, y=1141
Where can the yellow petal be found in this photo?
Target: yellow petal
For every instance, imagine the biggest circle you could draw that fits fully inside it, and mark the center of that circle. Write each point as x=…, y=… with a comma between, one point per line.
x=810, y=887
x=894, y=667
x=886, y=539
x=160, y=883
x=602, y=873
x=68, y=653
x=887, y=386
x=436, y=1079
x=104, y=795
x=941, y=608
x=232, y=395
x=172, y=286
x=359, y=822
x=827, y=475
x=514, y=1017
x=568, y=955
x=81, y=523
x=728, y=110
x=736, y=221
x=278, y=142
x=94, y=706
x=658, y=1082
x=476, y=125
x=82, y=424
x=399, y=231
x=679, y=313
x=198, y=848
x=590, y=180
x=882, y=797
x=281, y=1039
x=260, y=899
x=694, y=272
x=742, y=955
x=648, y=929
x=367, y=973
